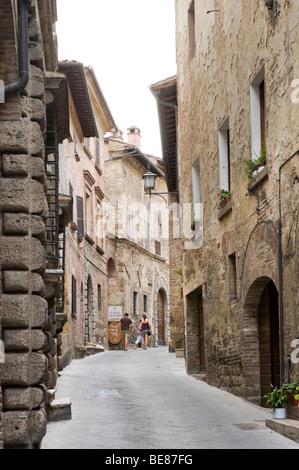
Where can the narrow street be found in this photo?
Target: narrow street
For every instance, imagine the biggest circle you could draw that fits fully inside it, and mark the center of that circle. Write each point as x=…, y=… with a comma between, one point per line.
x=144, y=400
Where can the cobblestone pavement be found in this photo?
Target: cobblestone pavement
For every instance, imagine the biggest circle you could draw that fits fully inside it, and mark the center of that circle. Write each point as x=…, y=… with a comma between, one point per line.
x=145, y=400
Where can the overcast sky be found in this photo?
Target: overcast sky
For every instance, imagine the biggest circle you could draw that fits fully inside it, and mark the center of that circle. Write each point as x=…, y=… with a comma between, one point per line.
x=130, y=44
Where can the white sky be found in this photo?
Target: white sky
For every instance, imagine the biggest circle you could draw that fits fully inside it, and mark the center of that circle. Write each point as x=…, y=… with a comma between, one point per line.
x=130, y=44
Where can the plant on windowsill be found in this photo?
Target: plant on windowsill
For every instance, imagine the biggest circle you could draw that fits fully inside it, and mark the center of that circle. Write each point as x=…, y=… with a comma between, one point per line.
x=277, y=400
x=224, y=197
x=195, y=224
x=251, y=165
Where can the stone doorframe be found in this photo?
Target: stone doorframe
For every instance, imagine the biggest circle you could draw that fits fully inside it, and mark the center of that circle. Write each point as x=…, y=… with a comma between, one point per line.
x=260, y=266
x=162, y=285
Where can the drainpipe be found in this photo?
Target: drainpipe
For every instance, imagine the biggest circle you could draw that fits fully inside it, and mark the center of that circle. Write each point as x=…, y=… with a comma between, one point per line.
x=280, y=261
x=20, y=85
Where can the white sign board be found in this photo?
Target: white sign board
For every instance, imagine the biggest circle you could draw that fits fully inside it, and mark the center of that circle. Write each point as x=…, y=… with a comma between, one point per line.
x=115, y=313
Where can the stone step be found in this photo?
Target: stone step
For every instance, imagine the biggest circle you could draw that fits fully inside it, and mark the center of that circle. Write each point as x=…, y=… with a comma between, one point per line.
x=179, y=352
x=60, y=410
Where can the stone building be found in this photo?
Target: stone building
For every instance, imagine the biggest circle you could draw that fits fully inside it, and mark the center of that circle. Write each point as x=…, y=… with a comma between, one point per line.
x=138, y=272
x=237, y=70
x=82, y=176
x=33, y=120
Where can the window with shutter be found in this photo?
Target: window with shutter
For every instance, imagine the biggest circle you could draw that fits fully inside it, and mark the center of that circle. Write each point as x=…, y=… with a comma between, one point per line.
x=74, y=296
x=80, y=215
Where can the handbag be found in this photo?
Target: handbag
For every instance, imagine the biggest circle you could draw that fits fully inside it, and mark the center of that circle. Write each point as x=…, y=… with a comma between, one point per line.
x=149, y=332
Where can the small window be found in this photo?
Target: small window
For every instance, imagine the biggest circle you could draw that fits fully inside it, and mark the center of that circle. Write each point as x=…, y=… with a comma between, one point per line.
x=232, y=272
x=145, y=303
x=74, y=296
x=158, y=247
x=100, y=298
x=191, y=26
x=80, y=216
x=258, y=114
x=135, y=303
x=224, y=157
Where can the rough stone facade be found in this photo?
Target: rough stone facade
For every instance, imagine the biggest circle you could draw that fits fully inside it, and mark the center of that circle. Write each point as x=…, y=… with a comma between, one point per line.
x=29, y=327
x=240, y=284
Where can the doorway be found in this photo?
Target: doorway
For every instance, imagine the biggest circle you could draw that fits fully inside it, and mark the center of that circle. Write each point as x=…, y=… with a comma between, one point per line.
x=195, y=337
x=269, y=340
x=160, y=319
x=261, y=340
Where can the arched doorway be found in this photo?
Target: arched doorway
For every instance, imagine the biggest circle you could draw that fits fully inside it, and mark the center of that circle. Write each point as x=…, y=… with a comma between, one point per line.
x=161, y=318
x=261, y=340
x=269, y=340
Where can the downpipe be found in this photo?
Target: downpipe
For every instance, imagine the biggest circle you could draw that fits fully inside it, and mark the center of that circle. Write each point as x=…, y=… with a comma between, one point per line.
x=23, y=54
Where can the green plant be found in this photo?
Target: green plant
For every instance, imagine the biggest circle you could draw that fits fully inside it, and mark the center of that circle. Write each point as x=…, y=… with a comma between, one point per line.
x=291, y=388
x=223, y=194
x=278, y=398
x=180, y=273
x=249, y=164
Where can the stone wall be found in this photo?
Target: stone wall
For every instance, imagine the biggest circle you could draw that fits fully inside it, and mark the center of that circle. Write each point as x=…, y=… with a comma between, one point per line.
x=241, y=243
x=26, y=329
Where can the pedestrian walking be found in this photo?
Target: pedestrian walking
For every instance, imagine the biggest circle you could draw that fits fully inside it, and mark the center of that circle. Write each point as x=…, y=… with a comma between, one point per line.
x=126, y=328
x=139, y=336
x=145, y=330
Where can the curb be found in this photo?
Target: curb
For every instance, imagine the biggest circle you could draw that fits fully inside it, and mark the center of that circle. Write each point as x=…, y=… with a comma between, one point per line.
x=287, y=427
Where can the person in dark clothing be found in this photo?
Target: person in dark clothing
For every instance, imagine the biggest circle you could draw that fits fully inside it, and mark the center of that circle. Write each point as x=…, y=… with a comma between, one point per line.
x=145, y=331
x=126, y=328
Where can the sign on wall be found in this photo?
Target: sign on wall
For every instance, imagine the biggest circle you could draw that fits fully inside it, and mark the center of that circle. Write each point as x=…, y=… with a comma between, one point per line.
x=115, y=313
x=114, y=333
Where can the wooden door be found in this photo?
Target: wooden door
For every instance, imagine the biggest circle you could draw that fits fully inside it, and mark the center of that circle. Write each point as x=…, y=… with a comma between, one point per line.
x=202, y=360
x=160, y=319
x=269, y=340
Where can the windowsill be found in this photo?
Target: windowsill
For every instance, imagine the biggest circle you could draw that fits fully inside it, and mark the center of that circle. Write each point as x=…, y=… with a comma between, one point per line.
x=89, y=239
x=99, y=249
x=224, y=208
x=258, y=179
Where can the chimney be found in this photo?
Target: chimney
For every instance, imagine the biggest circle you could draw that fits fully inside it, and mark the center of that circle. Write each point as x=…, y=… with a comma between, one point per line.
x=134, y=136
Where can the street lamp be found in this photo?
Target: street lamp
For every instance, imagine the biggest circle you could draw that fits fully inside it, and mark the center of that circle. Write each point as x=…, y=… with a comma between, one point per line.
x=149, y=179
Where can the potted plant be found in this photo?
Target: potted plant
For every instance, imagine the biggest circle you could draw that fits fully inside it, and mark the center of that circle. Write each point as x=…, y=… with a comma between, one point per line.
x=277, y=400
x=292, y=390
x=250, y=165
x=224, y=197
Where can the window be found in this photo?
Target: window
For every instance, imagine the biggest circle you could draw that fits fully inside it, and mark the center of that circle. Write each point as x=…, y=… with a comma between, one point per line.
x=88, y=203
x=135, y=303
x=130, y=224
x=147, y=235
x=224, y=157
x=100, y=228
x=196, y=189
x=258, y=114
x=97, y=152
x=75, y=145
x=74, y=296
x=80, y=216
x=191, y=27
x=145, y=303
x=99, y=298
x=158, y=247
x=232, y=272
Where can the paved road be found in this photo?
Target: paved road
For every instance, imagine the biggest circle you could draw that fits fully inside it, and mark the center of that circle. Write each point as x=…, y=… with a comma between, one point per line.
x=145, y=400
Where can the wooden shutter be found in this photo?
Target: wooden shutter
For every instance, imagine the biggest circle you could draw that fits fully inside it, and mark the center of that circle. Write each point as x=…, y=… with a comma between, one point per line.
x=74, y=296
x=80, y=215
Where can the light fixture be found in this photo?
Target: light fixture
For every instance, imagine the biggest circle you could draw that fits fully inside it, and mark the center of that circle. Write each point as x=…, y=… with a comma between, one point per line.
x=149, y=180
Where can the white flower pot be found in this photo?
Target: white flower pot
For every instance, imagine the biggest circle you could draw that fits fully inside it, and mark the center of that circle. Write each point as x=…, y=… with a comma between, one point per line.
x=280, y=413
